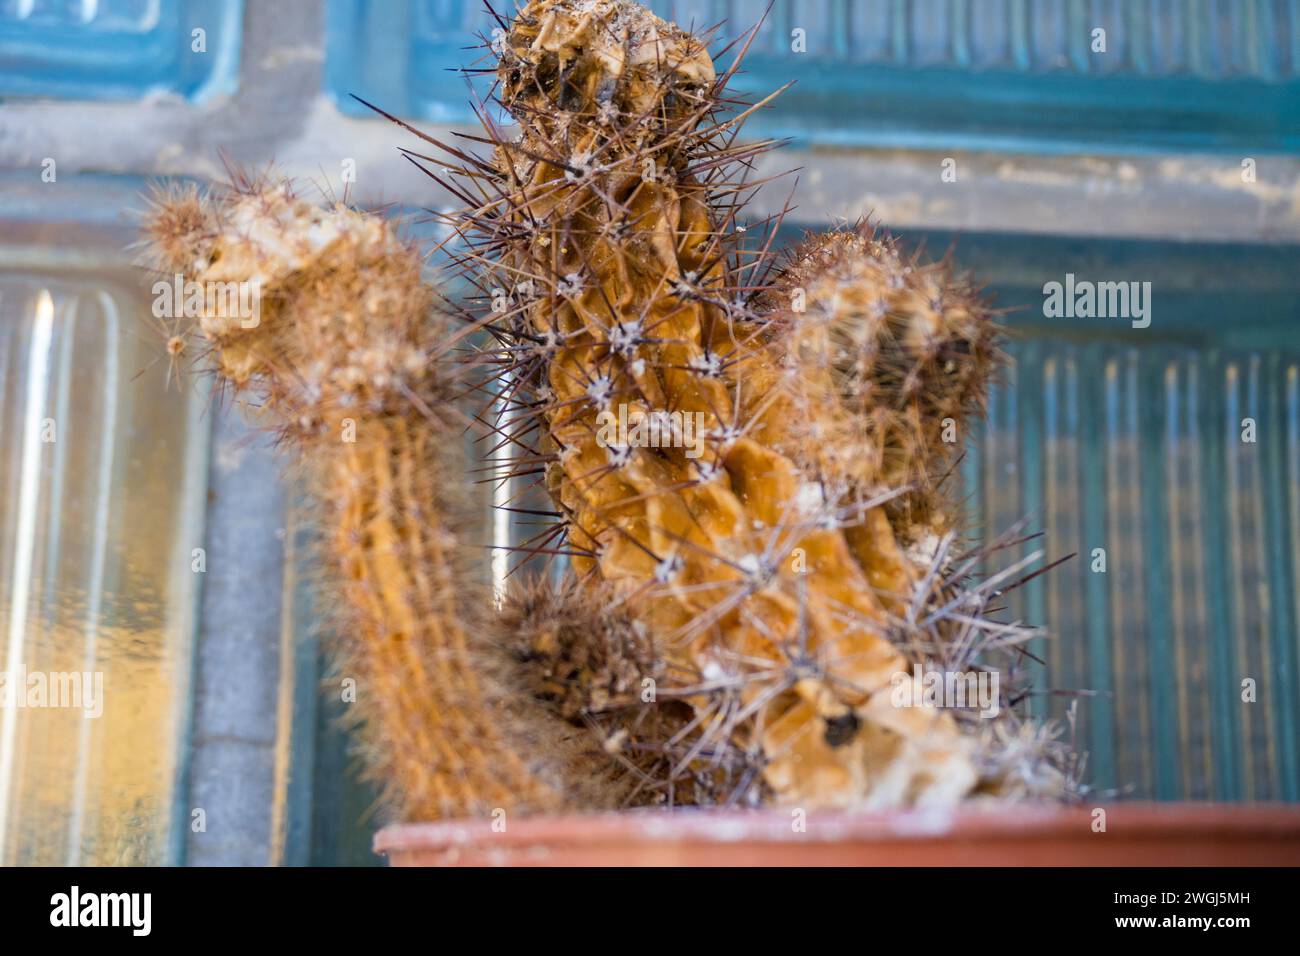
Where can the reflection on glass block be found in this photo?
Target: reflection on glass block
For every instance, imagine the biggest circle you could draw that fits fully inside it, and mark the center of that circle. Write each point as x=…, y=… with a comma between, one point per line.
x=101, y=493
x=119, y=49
x=1003, y=74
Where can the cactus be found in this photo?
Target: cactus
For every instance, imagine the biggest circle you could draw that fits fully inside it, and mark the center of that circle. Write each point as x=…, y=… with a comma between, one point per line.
x=772, y=562
x=746, y=457
x=891, y=359
x=344, y=363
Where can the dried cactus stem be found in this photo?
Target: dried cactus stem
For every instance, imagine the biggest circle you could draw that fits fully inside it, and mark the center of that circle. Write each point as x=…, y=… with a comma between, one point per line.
x=345, y=362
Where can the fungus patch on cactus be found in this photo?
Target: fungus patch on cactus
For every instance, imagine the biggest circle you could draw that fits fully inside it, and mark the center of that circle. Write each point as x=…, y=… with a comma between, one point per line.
x=736, y=611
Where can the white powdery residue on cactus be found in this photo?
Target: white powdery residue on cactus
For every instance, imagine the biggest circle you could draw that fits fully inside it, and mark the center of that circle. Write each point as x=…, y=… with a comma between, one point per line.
x=923, y=550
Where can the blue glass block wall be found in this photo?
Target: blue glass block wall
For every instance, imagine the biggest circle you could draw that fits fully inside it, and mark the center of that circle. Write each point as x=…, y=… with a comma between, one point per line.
x=119, y=49
x=1000, y=74
x=1132, y=441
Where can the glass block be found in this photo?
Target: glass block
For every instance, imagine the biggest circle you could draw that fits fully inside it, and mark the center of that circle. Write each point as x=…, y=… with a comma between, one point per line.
x=1175, y=449
x=119, y=49
x=102, y=481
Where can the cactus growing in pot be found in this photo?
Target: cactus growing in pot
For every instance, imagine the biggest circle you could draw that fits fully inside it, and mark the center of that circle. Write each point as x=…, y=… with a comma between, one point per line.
x=745, y=455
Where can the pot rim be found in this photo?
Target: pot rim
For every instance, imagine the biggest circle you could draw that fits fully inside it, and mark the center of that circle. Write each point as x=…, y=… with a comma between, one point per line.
x=1156, y=822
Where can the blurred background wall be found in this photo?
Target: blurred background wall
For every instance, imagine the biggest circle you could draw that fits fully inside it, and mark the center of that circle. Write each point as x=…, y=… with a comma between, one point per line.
x=152, y=541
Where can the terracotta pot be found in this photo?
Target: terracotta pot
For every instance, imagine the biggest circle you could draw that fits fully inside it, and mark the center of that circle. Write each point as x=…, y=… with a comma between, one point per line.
x=1136, y=834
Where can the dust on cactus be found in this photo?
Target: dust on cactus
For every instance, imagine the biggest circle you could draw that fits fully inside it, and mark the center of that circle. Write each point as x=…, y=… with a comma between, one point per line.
x=746, y=456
